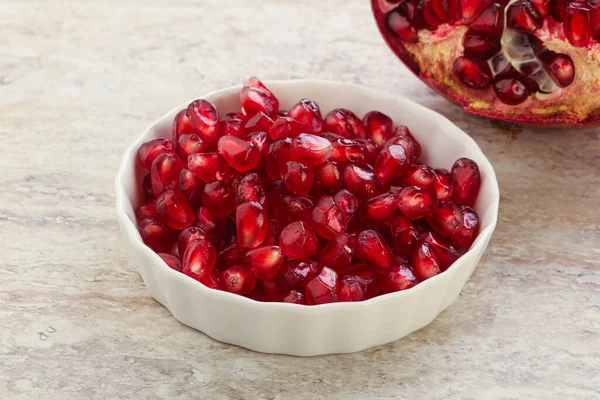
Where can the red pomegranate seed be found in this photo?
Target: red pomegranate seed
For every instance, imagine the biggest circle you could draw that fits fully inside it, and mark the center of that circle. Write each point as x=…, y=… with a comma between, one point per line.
x=421, y=176
x=175, y=210
x=266, y=290
x=261, y=142
x=350, y=289
x=233, y=126
x=255, y=97
x=231, y=255
x=347, y=202
x=148, y=151
x=467, y=181
x=339, y=251
x=371, y=150
x=434, y=13
x=416, y=203
x=212, y=281
x=401, y=26
x=377, y=212
x=277, y=155
x=348, y=151
x=511, y=91
x=379, y=127
x=310, y=150
x=576, y=24
x=252, y=224
x=238, y=279
x=308, y=114
x=297, y=208
x=146, y=210
x=471, y=73
x=443, y=185
x=412, y=147
x=480, y=46
x=265, y=261
x=371, y=282
x=490, y=21
x=240, y=154
x=295, y=274
x=147, y=192
x=164, y=173
x=361, y=181
x=404, y=235
x=469, y=228
x=328, y=178
x=425, y=263
x=209, y=167
x=205, y=118
x=189, y=235
x=372, y=249
x=219, y=198
x=522, y=16
x=406, y=142
x=285, y=127
x=345, y=123
x=275, y=227
x=191, y=186
x=562, y=69
x=392, y=160
x=294, y=297
x=250, y=188
x=191, y=144
x=399, y=278
x=328, y=219
x=199, y=259
x=260, y=122
x=276, y=191
x=298, y=240
x=175, y=251
x=323, y=288
x=156, y=235
x=210, y=224
x=182, y=126
x=443, y=250
x=446, y=219
x=297, y=177
x=172, y=261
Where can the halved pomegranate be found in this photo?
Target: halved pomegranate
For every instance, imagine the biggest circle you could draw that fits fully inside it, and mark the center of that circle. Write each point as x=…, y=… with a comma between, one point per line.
x=526, y=61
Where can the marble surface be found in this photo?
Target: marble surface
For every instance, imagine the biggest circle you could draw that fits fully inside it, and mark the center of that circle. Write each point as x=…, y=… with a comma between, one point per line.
x=80, y=79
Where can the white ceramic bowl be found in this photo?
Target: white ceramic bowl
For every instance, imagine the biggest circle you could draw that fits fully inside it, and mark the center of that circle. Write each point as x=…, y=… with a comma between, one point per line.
x=330, y=328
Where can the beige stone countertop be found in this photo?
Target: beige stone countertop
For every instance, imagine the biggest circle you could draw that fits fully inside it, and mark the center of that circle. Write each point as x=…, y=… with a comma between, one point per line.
x=80, y=79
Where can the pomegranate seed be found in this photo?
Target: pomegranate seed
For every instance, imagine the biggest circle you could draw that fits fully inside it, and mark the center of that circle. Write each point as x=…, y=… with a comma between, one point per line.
x=147, y=192
x=480, y=46
x=443, y=185
x=347, y=202
x=370, y=281
x=164, y=173
x=402, y=27
x=205, y=119
x=296, y=274
x=404, y=234
x=577, y=23
x=252, y=224
x=189, y=235
x=191, y=187
x=445, y=253
x=350, y=289
x=562, y=69
x=323, y=288
x=406, y=142
x=469, y=228
x=240, y=154
x=377, y=212
x=275, y=227
x=277, y=155
x=522, y=16
x=250, y=188
x=446, y=219
x=379, y=127
x=260, y=122
x=210, y=224
x=276, y=191
x=372, y=249
x=328, y=178
x=420, y=175
x=344, y=123
x=182, y=126
x=471, y=73
x=199, y=259
x=399, y=278
x=212, y=281
x=146, y=210
x=175, y=210
x=191, y=144
x=260, y=141
x=328, y=219
x=209, y=167
x=425, y=263
x=298, y=240
x=360, y=180
x=308, y=114
x=467, y=181
x=294, y=297
x=339, y=251
x=310, y=150
x=297, y=177
x=490, y=21
x=172, y=261
x=296, y=208
x=371, y=150
x=434, y=13
x=392, y=160
x=265, y=261
x=266, y=290
x=348, y=151
x=255, y=97
x=511, y=91
x=219, y=198
x=238, y=279
x=232, y=126
x=416, y=203
x=285, y=127
x=156, y=235
x=412, y=147
x=231, y=255
x=148, y=151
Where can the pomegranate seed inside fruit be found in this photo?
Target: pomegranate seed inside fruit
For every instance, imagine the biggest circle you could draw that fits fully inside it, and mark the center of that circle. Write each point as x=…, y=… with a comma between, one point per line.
x=252, y=224
x=298, y=240
x=240, y=154
x=521, y=15
x=416, y=203
x=562, y=69
x=175, y=210
x=308, y=114
x=182, y=126
x=172, y=261
x=467, y=181
x=480, y=46
x=372, y=249
x=469, y=228
x=402, y=27
x=392, y=160
x=323, y=288
x=265, y=261
x=295, y=274
x=285, y=127
x=219, y=198
x=445, y=253
x=238, y=279
x=205, y=118
x=577, y=23
x=260, y=122
x=157, y=235
x=379, y=127
x=425, y=263
x=148, y=151
x=164, y=173
x=328, y=178
x=294, y=297
x=471, y=73
x=490, y=21
x=255, y=97
x=361, y=181
x=446, y=219
x=297, y=177
x=328, y=219
x=199, y=259
x=511, y=91
x=311, y=150
x=404, y=235
x=191, y=187
x=399, y=278
x=443, y=185
x=345, y=123
x=189, y=235
x=339, y=251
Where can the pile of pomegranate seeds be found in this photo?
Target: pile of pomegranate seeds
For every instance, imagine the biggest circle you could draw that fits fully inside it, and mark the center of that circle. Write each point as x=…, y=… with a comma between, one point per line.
x=299, y=207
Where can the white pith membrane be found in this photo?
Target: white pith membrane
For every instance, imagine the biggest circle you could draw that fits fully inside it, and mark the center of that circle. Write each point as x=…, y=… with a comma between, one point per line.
x=578, y=103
